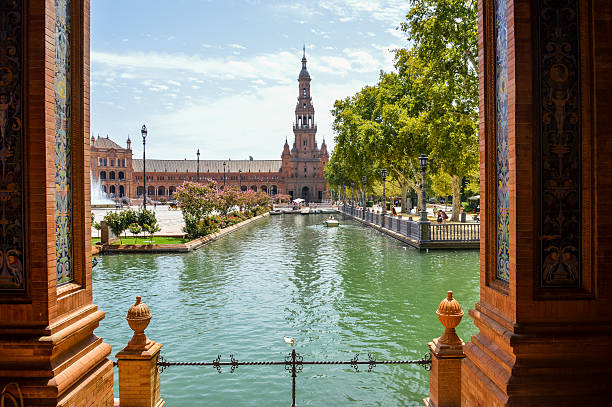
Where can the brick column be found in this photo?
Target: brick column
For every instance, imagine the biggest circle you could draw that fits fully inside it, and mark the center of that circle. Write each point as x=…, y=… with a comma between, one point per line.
x=446, y=356
x=139, y=384
x=543, y=315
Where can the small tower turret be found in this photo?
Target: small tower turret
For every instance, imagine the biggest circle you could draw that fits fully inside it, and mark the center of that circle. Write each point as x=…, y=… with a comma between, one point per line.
x=129, y=143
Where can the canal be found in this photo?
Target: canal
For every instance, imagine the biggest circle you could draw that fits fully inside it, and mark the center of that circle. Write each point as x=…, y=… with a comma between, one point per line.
x=336, y=291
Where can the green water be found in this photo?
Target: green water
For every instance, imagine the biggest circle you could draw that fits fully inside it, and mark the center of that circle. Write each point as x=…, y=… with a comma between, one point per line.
x=337, y=291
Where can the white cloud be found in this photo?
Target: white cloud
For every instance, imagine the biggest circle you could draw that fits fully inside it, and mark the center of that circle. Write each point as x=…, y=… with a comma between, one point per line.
x=211, y=123
x=272, y=66
x=173, y=82
x=238, y=46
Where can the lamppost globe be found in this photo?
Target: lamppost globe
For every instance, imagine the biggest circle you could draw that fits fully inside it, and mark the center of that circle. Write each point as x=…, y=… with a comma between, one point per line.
x=383, y=174
x=423, y=162
x=143, y=131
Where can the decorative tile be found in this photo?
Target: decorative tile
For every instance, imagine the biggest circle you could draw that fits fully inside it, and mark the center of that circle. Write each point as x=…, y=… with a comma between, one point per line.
x=501, y=141
x=560, y=143
x=63, y=159
x=12, y=239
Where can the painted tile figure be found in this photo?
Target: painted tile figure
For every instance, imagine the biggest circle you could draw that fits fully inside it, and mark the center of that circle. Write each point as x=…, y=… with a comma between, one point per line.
x=63, y=164
x=560, y=141
x=501, y=139
x=12, y=242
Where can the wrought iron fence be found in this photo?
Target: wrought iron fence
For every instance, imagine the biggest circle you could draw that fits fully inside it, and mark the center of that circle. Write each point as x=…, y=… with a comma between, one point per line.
x=294, y=364
x=458, y=232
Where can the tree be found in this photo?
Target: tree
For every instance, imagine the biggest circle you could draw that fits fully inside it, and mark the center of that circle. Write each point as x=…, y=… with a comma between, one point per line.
x=445, y=36
x=115, y=224
x=135, y=230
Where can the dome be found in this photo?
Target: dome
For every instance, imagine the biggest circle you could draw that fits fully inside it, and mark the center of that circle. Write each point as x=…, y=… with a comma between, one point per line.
x=304, y=74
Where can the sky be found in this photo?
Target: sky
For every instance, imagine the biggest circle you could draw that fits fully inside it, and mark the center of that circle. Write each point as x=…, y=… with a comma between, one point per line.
x=221, y=75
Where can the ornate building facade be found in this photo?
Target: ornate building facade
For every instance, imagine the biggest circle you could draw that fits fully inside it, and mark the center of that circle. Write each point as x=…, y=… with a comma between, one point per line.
x=299, y=172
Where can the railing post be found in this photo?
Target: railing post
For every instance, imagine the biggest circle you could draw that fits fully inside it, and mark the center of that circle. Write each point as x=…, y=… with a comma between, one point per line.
x=424, y=231
x=446, y=357
x=139, y=384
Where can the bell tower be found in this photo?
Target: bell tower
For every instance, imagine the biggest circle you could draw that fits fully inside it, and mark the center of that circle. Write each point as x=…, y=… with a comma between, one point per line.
x=302, y=166
x=304, y=128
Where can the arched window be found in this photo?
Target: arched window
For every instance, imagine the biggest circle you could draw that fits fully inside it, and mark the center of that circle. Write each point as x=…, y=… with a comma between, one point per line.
x=123, y=163
x=171, y=190
x=100, y=161
x=254, y=188
x=263, y=188
x=111, y=175
x=121, y=191
x=139, y=191
x=161, y=191
x=121, y=175
x=104, y=188
x=102, y=175
x=151, y=191
x=112, y=190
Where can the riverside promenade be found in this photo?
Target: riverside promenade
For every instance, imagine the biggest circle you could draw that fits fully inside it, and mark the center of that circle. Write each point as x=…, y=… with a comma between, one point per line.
x=420, y=235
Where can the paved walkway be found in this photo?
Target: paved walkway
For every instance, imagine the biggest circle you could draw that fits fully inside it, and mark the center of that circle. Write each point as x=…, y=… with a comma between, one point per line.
x=170, y=221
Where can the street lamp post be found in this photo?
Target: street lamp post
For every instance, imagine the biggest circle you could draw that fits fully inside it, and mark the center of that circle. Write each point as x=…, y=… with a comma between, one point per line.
x=143, y=131
x=240, y=179
x=344, y=196
x=363, y=203
x=224, y=164
x=198, y=168
x=383, y=174
x=352, y=197
x=423, y=162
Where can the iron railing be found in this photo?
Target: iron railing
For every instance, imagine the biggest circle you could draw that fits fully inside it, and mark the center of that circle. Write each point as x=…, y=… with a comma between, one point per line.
x=455, y=232
x=294, y=363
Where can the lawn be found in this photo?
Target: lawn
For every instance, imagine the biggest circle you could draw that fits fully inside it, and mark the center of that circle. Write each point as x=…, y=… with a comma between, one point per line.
x=147, y=240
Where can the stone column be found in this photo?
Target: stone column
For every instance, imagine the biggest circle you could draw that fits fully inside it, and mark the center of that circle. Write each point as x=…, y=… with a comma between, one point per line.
x=446, y=356
x=543, y=315
x=139, y=384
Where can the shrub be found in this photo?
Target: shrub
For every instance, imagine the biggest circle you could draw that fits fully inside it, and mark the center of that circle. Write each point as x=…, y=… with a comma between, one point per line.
x=115, y=223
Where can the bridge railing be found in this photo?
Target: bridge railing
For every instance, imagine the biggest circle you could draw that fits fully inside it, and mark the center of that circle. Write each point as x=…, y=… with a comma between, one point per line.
x=416, y=230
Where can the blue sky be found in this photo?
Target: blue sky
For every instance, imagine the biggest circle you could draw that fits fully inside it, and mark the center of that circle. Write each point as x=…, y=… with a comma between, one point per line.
x=221, y=75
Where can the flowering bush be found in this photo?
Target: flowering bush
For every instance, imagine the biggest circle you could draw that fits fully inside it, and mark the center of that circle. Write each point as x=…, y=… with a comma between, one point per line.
x=281, y=198
x=206, y=207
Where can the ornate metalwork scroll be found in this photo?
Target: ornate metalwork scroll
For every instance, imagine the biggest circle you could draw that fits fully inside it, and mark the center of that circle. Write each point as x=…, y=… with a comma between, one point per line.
x=560, y=143
x=63, y=156
x=12, y=240
x=501, y=142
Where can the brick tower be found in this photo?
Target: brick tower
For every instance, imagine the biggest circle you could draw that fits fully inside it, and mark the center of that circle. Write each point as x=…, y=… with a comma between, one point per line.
x=305, y=173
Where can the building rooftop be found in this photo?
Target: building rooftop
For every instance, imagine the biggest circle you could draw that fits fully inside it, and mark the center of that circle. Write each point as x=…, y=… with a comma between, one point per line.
x=105, y=142
x=215, y=166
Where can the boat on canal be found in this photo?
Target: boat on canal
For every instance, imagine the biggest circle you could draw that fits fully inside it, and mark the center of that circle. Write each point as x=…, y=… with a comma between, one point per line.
x=305, y=211
x=331, y=222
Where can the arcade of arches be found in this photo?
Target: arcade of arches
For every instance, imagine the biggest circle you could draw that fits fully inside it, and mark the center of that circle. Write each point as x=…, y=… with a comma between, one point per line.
x=544, y=320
